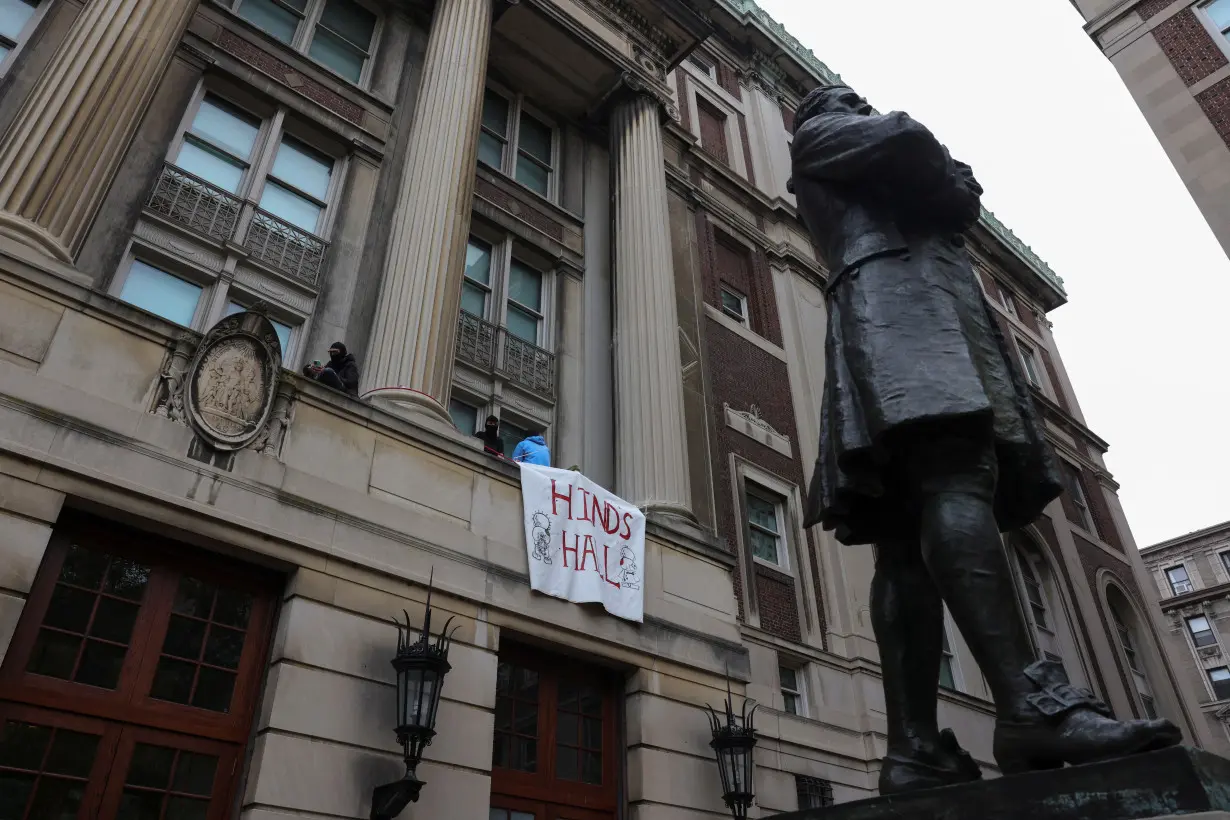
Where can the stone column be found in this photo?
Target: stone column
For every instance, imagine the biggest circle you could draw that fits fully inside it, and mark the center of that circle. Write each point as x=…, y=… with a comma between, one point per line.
x=64, y=147
x=410, y=360
x=651, y=460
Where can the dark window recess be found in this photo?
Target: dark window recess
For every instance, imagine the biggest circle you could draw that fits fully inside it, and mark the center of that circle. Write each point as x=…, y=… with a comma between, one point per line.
x=712, y=131
x=1220, y=678
x=44, y=770
x=813, y=792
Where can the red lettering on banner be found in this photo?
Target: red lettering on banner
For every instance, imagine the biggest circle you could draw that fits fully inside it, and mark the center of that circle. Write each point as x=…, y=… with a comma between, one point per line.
x=564, y=546
x=627, y=533
x=589, y=550
x=610, y=518
x=606, y=565
x=555, y=495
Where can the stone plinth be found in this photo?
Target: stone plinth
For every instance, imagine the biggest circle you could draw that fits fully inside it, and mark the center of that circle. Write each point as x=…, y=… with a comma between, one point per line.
x=1177, y=782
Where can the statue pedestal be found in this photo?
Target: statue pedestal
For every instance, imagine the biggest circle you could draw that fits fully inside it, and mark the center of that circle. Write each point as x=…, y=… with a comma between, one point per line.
x=1172, y=783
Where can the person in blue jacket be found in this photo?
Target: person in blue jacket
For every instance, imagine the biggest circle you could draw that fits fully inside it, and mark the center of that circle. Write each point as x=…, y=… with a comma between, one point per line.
x=533, y=450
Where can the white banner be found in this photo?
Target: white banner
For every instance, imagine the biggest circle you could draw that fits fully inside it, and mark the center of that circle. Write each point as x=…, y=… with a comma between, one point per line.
x=585, y=544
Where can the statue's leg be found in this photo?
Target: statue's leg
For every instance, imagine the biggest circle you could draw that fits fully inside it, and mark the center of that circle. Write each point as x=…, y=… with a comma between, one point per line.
x=908, y=618
x=1043, y=722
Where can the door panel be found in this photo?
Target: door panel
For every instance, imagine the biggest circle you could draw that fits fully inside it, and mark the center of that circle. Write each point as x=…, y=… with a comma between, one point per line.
x=162, y=776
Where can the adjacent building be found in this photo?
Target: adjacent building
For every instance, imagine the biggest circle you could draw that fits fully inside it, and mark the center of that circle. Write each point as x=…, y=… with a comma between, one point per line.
x=1192, y=574
x=569, y=214
x=1174, y=57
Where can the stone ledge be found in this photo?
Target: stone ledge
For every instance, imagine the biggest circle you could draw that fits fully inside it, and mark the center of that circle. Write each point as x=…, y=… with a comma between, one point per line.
x=1178, y=782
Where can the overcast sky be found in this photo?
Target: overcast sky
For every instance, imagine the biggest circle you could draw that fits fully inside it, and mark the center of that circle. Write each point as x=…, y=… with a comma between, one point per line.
x=1020, y=92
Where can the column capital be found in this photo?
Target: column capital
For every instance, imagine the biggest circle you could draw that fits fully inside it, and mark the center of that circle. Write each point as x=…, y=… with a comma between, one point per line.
x=633, y=85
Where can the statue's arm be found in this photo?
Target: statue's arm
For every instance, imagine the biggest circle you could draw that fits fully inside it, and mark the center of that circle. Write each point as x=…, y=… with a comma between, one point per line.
x=890, y=150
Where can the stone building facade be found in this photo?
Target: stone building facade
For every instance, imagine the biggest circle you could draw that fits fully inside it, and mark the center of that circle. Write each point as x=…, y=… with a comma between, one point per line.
x=570, y=214
x=1174, y=57
x=1192, y=575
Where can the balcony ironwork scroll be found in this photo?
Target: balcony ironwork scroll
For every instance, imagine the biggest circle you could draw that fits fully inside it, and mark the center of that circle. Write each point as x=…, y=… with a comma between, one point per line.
x=281, y=245
x=493, y=349
x=195, y=204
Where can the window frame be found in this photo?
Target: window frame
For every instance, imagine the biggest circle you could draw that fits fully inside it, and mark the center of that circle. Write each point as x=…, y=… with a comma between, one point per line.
x=511, y=785
x=1202, y=638
x=752, y=487
x=305, y=34
x=799, y=693
x=813, y=787
x=742, y=318
x=171, y=267
x=1208, y=674
x=1074, y=484
x=948, y=659
x=703, y=65
x=1220, y=36
x=129, y=702
x=511, y=153
x=1032, y=580
x=23, y=36
x=1174, y=585
x=1007, y=300
x=1030, y=363
x=505, y=249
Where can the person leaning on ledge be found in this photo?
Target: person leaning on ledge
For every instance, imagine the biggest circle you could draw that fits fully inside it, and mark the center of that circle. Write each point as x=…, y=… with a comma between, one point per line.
x=341, y=373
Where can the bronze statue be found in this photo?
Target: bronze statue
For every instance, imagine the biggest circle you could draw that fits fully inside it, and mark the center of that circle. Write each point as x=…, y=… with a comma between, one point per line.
x=930, y=446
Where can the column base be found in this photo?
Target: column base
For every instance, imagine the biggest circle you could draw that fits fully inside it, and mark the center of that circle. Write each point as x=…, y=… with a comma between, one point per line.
x=408, y=403
x=33, y=236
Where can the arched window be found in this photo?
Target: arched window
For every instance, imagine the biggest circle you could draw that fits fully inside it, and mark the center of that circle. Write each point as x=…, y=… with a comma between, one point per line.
x=1123, y=617
x=1044, y=608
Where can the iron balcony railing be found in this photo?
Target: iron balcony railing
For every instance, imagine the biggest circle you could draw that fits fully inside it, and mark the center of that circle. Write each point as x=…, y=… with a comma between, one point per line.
x=205, y=209
x=493, y=349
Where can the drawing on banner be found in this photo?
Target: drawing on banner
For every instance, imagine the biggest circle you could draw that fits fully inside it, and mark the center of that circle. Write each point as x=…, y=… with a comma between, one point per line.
x=541, y=534
x=585, y=545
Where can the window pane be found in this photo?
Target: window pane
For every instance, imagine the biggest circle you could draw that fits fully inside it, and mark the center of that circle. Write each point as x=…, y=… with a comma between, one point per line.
x=272, y=17
x=525, y=286
x=788, y=679
x=465, y=416
x=762, y=513
x=522, y=325
x=287, y=205
x=225, y=127
x=732, y=303
x=535, y=139
x=1220, y=12
x=305, y=168
x=478, y=262
x=282, y=330
x=210, y=165
x=1177, y=574
x=14, y=14
x=533, y=176
x=330, y=50
x=1219, y=674
x=764, y=546
x=4, y=52
x=1198, y=624
x=474, y=300
x=161, y=293
x=490, y=150
x=495, y=113
x=350, y=20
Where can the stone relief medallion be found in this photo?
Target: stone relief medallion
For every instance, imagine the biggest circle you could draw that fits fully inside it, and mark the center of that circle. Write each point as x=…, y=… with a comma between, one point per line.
x=232, y=380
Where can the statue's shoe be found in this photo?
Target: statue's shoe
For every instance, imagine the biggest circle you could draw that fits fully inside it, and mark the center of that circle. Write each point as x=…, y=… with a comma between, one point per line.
x=1073, y=727
x=945, y=764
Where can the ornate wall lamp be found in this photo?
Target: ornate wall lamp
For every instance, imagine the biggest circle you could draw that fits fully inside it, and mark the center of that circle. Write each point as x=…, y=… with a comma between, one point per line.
x=421, y=667
x=733, y=741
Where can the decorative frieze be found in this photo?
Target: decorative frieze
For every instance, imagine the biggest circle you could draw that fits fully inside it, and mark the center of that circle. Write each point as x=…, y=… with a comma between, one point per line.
x=751, y=424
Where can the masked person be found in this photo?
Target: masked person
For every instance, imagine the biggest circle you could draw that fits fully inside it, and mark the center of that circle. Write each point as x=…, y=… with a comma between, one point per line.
x=492, y=441
x=341, y=373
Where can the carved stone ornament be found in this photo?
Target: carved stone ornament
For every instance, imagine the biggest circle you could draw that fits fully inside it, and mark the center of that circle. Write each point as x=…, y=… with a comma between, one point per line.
x=230, y=385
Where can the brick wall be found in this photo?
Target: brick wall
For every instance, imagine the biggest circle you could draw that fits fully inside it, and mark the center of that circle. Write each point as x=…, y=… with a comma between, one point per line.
x=1149, y=8
x=1215, y=102
x=779, y=609
x=1189, y=46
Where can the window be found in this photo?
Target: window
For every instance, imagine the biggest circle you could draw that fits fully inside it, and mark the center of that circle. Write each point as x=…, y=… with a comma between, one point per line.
x=712, y=130
x=1202, y=632
x=218, y=145
x=465, y=416
x=791, y=682
x=1078, y=512
x=130, y=685
x=703, y=66
x=282, y=330
x=17, y=19
x=1034, y=594
x=1126, y=642
x=161, y=293
x=764, y=526
x=1149, y=705
x=948, y=680
x=338, y=34
x=476, y=286
x=1220, y=678
x=813, y=792
x=1218, y=13
x=1180, y=583
x=300, y=202
x=517, y=143
x=554, y=742
x=734, y=305
x=1225, y=561
x=1006, y=299
x=1029, y=361
x=524, y=316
